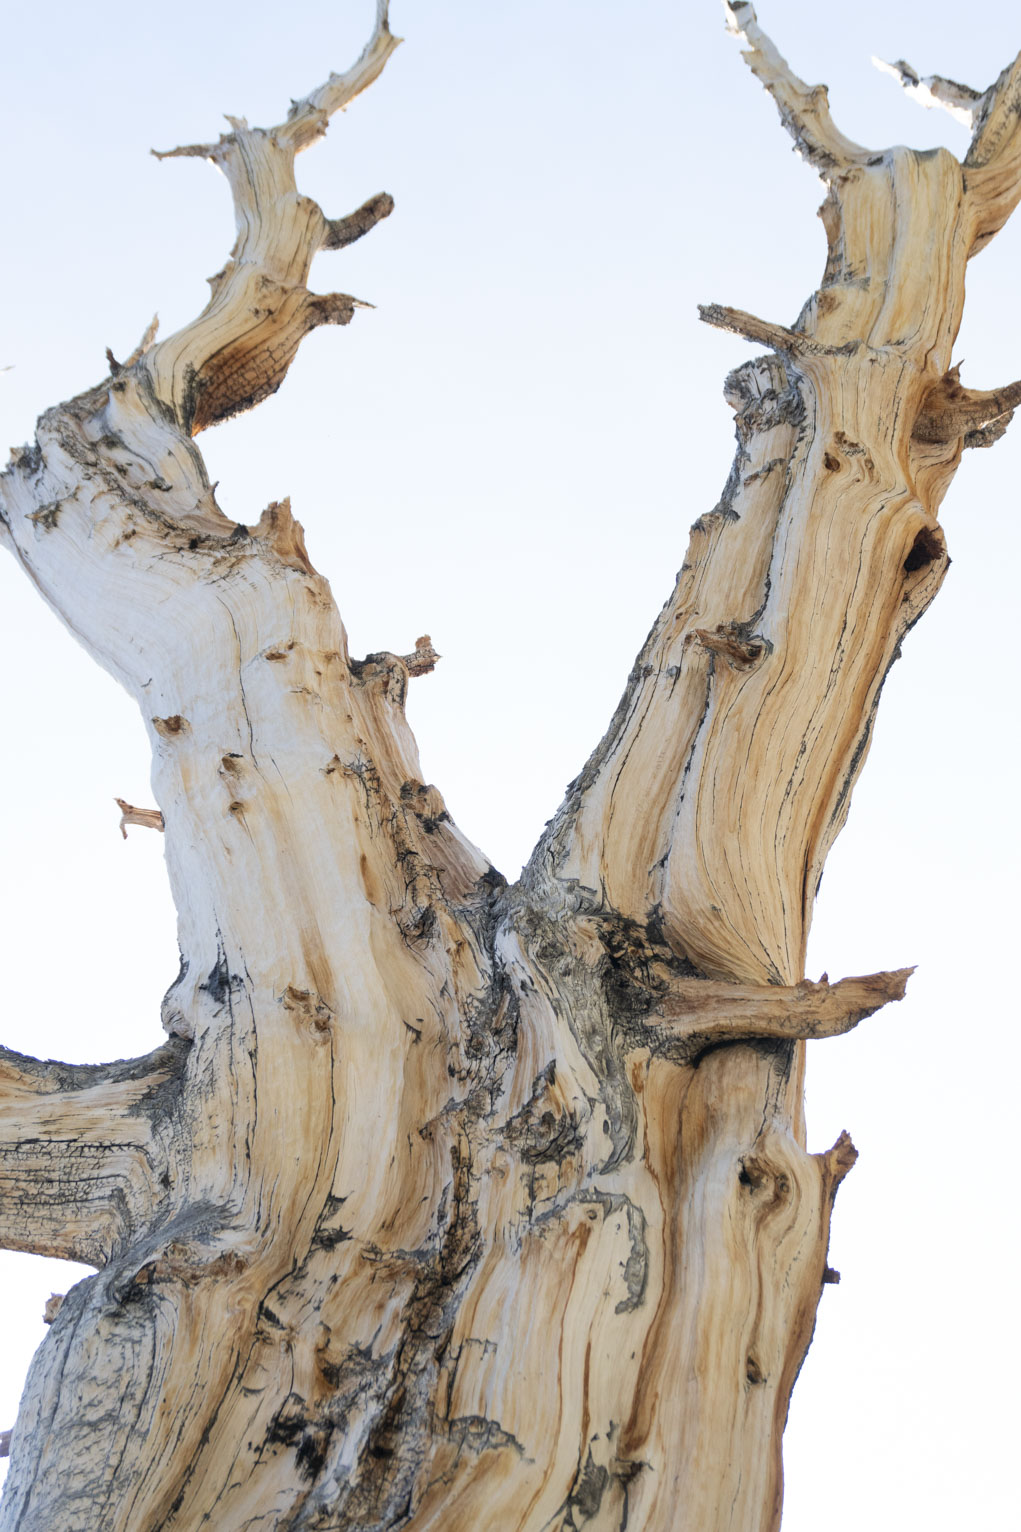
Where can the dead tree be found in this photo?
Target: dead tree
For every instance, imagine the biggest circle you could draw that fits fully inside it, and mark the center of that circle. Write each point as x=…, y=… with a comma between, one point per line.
x=448, y=1203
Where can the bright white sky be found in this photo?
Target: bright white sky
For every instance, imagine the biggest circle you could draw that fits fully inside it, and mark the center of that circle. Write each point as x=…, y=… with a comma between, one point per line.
x=507, y=454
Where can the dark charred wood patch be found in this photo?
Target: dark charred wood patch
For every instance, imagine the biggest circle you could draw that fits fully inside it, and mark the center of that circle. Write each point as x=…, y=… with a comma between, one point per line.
x=288, y=1423
x=481, y=1434
x=540, y=1135
x=590, y=1486
x=48, y=515
x=312, y=1451
x=926, y=548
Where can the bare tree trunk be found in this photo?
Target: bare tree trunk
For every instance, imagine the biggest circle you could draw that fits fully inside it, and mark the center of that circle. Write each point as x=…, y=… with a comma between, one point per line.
x=452, y=1204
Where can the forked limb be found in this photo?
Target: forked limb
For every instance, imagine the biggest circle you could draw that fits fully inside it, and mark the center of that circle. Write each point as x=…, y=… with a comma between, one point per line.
x=238, y=350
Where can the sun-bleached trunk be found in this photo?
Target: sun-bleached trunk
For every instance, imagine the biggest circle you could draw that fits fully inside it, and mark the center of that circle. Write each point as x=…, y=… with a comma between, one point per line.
x=450, y=1203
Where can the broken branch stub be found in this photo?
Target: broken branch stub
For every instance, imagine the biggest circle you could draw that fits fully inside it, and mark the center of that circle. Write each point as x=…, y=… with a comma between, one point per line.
x=149, y=819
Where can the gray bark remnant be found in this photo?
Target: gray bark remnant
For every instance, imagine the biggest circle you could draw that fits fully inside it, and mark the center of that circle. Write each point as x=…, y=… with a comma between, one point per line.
x=450, y=1203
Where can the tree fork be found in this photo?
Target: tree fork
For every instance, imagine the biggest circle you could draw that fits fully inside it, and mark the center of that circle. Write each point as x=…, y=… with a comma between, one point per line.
x=451, y=1203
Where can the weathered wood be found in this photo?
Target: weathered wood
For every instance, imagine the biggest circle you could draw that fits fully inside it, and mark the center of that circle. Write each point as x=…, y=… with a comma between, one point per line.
x=82, y=1155
x=450, y=1203
x=149, y=819
x=696, y=1014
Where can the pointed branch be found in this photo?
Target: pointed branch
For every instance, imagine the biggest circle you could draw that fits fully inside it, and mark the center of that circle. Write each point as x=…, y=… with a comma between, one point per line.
x=147, y=341
x=307, y=119
x=804, y=109
x=997, y=120
x=777, y=336
x=258, y=348
x=836, y=1163
x=698, y=1014
x=424, y=658
x=960, y=101
x=344, y=231
x=149, y=819
x=332, y=308
x=950, y=412
x=992, y=166
x=187, y=152
x=278, y=528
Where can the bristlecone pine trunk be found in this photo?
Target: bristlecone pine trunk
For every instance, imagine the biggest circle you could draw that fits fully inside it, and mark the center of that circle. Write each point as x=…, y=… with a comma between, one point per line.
x=451, y=1204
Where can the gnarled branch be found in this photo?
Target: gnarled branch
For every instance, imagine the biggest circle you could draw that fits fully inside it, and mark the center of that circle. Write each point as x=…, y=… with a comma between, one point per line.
x=950, y=411
x=340, y=232
x=308, y=118
x=997, y=125
x=238, y=350
x=424, y=658
x=804, y=109
x=963, y=103
x=763, y=331
x=697, y=1014
x=992, y=166
x=993, y=162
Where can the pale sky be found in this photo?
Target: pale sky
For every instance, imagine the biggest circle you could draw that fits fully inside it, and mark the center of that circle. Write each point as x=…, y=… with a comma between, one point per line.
x=507, y=453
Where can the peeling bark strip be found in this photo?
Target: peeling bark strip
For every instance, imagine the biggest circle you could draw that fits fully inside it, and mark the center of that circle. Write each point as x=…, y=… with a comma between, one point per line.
x=450, y=1204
